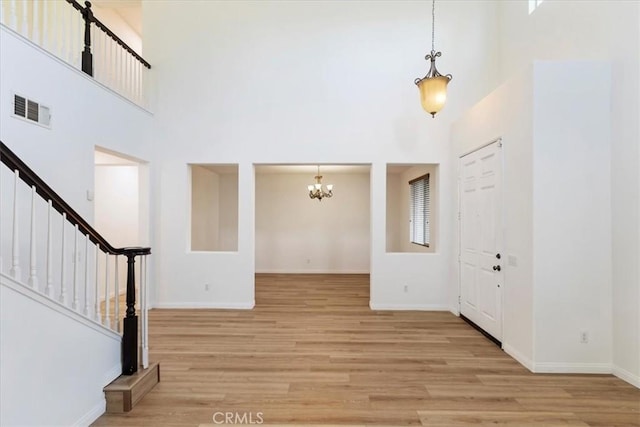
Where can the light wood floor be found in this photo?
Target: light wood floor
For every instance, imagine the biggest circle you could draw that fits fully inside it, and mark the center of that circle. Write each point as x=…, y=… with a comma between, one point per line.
x=312, y=352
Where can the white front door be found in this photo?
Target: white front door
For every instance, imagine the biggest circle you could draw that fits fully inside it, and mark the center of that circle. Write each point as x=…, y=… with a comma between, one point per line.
x=481, y=275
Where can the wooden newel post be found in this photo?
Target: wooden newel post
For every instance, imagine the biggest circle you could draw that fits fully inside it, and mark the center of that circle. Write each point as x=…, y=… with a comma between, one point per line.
x=87, y=57
x=130, y=322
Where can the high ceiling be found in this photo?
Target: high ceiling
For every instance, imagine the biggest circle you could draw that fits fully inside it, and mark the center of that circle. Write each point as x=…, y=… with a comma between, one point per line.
x=129, y=10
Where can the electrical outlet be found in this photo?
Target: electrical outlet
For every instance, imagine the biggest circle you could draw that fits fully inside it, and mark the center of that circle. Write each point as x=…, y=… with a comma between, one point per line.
x=406, y=288
x=206, y=287
x=584, y=337
x=308, y=261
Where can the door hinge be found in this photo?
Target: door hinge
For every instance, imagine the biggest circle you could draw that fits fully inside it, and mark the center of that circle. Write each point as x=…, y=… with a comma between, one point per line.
x=459, y=300
x=459, y=216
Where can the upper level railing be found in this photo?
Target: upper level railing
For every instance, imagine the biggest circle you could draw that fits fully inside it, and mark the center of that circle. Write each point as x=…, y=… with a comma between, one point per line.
x=90, y=288
x=72, y=33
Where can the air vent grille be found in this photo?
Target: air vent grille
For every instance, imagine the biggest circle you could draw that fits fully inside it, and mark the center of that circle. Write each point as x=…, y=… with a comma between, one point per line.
x=19, y=106
x=31, y=110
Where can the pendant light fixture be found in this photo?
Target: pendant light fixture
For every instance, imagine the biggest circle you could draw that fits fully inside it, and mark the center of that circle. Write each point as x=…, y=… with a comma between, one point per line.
x=316, y=191
x=433, y=86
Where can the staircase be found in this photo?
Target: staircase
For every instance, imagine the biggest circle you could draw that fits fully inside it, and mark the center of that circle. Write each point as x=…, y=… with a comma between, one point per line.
x=63, y=333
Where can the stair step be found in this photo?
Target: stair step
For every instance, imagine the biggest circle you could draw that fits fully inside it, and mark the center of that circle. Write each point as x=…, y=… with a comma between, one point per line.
x=127, y=390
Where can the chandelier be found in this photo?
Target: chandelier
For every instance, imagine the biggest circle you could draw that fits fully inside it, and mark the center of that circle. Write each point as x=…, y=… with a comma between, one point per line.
x=433, y=86
x=316, y=191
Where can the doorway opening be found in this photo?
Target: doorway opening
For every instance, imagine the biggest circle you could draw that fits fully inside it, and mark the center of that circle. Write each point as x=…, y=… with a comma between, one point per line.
x=310, y=243
x=121, y=205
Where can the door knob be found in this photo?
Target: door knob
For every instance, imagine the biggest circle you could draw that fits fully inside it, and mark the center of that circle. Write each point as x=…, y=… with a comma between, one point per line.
x=496, y=268
x=498, y=256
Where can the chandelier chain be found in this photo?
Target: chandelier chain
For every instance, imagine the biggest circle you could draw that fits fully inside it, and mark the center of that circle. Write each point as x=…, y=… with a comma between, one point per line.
x=433, y=25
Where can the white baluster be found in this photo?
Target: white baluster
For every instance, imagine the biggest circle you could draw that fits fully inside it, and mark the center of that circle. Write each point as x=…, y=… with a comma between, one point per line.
x=63, y=292
x=69, y=35
x=24, y=24
x=55, y=29
x=130, y=60
x=63, y=15
x=117, y=300
x=75, y=302
x=44, y=41
x=33, y=274
x=86, y=275
x=96, y=309
x=110, y=61
x=35, y=21
x=118, y=63
x=144, y=310
x=49, y=287
x=137, y=82
x=12, y=19
x=107, y=318
x=15, y=241
x=96, y=53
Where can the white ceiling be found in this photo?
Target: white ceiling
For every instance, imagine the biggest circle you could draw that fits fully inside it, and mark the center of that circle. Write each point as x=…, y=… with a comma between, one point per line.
x=104, y=158
x=129, y=10
x=219, y=168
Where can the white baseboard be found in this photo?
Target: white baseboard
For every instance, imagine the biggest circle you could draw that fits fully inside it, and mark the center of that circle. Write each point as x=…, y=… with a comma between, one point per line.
x=519, y=357
x=627, y=376
x=412, y=307
x=572, y=368
x=308, y=271
x=112, y=374
x=200, y=304
x=93, y=414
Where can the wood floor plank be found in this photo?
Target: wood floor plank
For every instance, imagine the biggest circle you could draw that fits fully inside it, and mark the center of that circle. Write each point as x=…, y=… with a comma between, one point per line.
x=312, y=352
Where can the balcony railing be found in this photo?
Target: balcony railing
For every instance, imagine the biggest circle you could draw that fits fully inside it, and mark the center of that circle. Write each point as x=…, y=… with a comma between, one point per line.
x=72, y=33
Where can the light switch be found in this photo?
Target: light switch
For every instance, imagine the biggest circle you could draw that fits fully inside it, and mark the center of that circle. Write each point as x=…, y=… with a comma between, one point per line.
x=513, y=260
x=90, y=195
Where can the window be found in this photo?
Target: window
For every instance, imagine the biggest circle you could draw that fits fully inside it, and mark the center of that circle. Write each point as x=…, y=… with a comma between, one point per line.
x=533, y=4
x=419, y=210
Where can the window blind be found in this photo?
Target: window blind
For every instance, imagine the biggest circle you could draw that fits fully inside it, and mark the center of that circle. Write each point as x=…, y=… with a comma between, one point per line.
x=419, y=210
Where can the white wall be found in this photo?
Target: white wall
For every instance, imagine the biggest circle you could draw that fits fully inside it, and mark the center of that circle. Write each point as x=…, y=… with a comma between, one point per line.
x=603, y=30
x=205, y=206
x=295, y=234
x=572, y=216
x=116, y=202
x=53, y=366
x=304, y=83
x=394, y=221
x=214, y=208
x=84, y=115
x=228, y=215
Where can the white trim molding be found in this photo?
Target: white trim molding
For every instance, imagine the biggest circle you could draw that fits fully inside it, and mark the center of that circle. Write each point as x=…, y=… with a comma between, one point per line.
x=572, y=368
x=518, y=356
x=302, y=271
x=408, y=307
x=204, y=305
x=627, y=376
x=93, y=414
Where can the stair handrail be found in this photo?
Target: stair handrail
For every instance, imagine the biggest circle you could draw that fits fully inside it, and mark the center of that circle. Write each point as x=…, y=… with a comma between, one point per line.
x=89, y=17
x=130, y=322
x=26, y=174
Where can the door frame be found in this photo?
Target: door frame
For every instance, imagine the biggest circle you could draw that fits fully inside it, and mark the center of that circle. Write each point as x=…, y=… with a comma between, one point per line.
x=501, y=226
